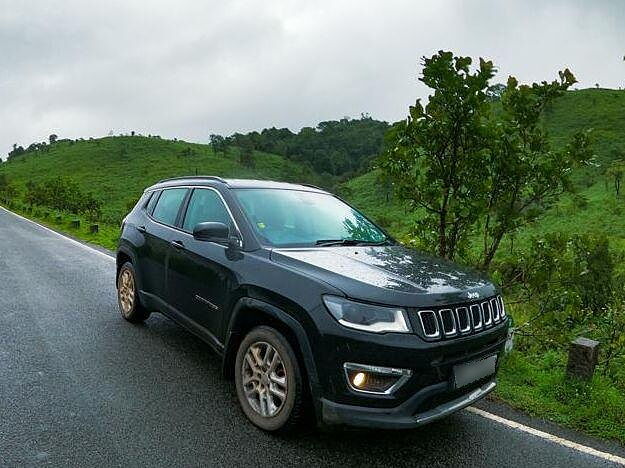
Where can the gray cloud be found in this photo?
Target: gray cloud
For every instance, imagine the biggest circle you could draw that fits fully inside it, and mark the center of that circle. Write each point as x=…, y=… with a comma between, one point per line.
x=189, y=68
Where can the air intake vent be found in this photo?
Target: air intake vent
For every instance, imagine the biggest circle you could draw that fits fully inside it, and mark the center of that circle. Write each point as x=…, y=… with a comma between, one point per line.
x=447, y=319
x=494, y=307
x=464, y=319
x=429, y=323
x=476, y=317
x=486, y=314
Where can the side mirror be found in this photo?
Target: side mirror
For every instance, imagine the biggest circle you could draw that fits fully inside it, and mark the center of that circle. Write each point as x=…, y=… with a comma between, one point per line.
x=212, y=232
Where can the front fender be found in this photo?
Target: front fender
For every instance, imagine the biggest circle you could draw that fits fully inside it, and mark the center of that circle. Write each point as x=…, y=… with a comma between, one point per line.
x=287, y=320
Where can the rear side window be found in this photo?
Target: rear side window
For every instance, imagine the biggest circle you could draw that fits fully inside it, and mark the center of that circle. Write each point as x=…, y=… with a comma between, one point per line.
x=205, y=205
x=168, y=205
x=153, y=199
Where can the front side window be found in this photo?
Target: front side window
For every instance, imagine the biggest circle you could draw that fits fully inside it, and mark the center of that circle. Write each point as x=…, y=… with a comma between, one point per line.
x=299, y=218
x=168, y=205
x=205, y=206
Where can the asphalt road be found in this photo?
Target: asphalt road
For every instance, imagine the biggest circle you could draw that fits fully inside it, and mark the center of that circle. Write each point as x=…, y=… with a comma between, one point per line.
x=79, y=386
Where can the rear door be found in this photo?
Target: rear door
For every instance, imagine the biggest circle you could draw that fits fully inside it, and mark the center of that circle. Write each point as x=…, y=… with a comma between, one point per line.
x=200, y=273
x=159, y=232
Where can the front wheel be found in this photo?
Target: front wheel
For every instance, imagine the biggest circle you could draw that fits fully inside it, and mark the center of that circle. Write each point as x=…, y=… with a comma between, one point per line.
x=269, y=381
x=128, y=295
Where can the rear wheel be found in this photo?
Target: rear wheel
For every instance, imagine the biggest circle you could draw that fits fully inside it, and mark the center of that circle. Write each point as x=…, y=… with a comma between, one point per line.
x=269, y=381
x=128, y=295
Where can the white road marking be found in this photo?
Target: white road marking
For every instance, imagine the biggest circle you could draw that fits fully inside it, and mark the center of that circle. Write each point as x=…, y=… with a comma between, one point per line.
x=80, y=244
x=485, y=414
x=545, y=435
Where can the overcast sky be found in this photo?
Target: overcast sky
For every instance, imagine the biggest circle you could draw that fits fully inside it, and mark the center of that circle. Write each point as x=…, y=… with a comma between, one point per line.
x=190, y=68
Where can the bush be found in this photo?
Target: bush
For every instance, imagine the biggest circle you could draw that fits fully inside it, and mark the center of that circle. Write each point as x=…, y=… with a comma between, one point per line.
x=570, y=287
x=64, y=195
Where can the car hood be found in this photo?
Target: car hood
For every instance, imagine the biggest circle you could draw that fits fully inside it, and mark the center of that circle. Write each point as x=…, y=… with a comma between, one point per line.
x=388, y=274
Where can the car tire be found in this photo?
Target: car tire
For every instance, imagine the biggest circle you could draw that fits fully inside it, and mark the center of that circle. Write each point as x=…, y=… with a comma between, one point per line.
x=128, y=295
x=254, y=380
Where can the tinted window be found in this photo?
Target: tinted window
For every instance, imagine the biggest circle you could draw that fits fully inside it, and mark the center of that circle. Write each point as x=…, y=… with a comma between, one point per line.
x=168, y=205
x=205, y=205
x=152, y=202
x=292, y=217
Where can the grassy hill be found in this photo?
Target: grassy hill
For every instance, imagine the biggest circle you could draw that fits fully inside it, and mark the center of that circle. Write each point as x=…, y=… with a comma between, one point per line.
x=118, y=169
x=601, y=110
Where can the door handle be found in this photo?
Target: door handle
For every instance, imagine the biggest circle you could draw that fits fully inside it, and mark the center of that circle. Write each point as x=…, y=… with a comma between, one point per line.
x=141, y=228
x=177, y=244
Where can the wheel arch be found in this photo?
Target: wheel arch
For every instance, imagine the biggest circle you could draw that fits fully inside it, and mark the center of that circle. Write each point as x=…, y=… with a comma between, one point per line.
x=124, y=254
x=249, y=313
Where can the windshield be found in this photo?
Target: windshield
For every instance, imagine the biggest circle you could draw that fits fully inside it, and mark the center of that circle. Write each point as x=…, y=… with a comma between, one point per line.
x=298, y=218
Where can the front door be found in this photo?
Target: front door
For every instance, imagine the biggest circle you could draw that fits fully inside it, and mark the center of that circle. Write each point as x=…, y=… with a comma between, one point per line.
x=200, y=273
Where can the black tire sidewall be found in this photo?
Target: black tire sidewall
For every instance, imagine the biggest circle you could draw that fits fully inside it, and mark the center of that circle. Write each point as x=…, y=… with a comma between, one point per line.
x=285, y=416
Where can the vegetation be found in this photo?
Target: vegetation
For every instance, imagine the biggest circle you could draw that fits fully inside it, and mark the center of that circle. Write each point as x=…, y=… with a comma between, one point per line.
x=335, y=149
x=471, y=166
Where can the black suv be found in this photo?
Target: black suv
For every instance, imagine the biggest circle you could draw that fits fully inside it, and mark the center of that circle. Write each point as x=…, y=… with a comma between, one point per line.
x=313, y=308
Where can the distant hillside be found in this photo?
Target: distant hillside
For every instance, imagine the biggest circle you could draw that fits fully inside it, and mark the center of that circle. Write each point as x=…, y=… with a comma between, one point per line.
x=117, y=169
x=601, y=110
x=335, y=148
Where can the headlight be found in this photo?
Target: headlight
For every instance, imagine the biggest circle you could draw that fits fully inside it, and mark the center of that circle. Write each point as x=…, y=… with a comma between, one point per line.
x=367, y=317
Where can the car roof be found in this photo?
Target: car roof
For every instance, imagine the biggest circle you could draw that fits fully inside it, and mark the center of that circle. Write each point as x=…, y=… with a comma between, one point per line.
x=212, y=181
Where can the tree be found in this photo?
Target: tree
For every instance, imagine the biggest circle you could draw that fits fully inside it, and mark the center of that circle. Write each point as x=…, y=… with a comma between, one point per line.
x=524, y=174
x=495, y=91
x=218, y=143
x=436, y=161
x=615, y=173
x=471, y=169
x=52, y=138
x=246, y=155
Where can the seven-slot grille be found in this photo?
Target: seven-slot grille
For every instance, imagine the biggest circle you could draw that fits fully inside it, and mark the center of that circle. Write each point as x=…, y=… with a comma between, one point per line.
x=462, y=320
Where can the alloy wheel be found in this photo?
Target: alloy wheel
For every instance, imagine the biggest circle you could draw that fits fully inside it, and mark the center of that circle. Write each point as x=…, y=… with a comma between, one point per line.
x=264, y=379
x=126, y=291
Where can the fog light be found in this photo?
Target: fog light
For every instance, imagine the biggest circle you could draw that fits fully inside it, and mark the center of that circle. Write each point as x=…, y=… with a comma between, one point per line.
x=375, y=379
x=359, y=379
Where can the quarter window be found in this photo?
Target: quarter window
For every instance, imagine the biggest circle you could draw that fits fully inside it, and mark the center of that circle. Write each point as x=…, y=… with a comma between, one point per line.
x=153, y=199
x=168, y=205
x=205, y=205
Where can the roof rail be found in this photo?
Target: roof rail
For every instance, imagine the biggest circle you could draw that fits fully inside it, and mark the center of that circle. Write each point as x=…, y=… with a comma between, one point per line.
x=218, y=179
x=313, y=186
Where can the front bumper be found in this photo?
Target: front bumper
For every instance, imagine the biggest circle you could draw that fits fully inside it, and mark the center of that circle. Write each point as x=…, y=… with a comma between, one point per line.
x=404, y=416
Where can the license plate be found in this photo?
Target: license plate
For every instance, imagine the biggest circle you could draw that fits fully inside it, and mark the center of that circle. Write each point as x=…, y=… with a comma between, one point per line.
x=464, y=374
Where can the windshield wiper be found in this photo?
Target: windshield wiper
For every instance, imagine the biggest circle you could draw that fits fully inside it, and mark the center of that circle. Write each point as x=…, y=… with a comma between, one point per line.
x=330, y=242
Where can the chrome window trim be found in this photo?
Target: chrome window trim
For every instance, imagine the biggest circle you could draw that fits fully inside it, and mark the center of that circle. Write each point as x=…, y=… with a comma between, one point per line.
x=403, y=374
x=429, y=335
x=453, y=321
x=199, y=187
x=468, y=316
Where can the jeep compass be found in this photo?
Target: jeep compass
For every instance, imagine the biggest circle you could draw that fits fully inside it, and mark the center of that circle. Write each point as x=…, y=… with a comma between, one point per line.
x=315, y=311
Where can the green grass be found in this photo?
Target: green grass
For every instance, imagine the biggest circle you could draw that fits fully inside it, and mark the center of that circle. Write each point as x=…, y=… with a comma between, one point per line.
x=107, y=235
x=538, y=386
